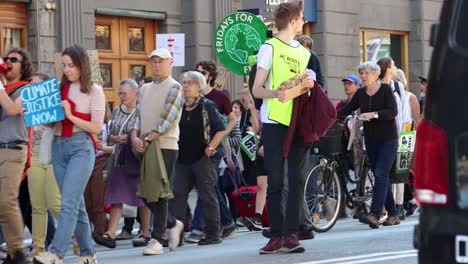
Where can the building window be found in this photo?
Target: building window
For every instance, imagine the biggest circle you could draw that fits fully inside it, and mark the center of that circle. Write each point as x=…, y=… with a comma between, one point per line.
x=136, y=39
x=376, y=44
x=103, y=39
x=12, y=38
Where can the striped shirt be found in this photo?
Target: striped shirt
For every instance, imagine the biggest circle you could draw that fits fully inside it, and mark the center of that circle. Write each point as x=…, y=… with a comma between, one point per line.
x=93, y=103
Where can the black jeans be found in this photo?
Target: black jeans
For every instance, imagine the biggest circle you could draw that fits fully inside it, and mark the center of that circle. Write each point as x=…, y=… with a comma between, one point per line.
x=162, y=218
x=201, y=174
x=273, y=137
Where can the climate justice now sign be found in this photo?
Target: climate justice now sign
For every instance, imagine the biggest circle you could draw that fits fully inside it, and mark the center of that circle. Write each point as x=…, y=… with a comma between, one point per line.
x=42, y=103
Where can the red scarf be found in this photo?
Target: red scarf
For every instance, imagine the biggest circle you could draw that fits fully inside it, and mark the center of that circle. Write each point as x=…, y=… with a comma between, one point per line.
x=67, y=125
x=10, y=89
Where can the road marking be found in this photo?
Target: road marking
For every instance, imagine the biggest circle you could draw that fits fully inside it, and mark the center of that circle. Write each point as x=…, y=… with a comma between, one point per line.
x=404, y=253
x=380, y=259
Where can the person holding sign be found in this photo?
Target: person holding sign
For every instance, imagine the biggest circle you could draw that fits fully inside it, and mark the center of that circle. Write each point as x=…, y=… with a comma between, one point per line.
x=43, y=188
x=279, y=60
x=73, y=155
x=14, y=140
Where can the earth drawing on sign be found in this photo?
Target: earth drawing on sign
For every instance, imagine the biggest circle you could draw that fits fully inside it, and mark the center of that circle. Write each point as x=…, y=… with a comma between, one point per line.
x=242, y=41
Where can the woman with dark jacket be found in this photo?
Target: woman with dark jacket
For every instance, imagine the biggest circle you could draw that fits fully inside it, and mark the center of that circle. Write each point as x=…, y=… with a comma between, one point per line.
x=379, y=109
x=201, y=132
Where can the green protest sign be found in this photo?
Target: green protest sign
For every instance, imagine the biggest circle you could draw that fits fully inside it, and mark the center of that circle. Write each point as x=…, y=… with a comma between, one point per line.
x=249, y=146
x=406, y=145
x=236, y=38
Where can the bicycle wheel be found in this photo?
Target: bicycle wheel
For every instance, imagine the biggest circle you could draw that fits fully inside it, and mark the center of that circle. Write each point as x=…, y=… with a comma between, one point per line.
x=322, y=195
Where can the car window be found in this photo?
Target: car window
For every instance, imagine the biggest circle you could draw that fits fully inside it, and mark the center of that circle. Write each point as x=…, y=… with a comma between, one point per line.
x=459, y=29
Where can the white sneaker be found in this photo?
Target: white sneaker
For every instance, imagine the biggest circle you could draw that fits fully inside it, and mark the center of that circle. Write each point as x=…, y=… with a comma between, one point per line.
x=47, y=258
x=87, y=260
x=174, y=234
x=383, y=218
x=153, y=248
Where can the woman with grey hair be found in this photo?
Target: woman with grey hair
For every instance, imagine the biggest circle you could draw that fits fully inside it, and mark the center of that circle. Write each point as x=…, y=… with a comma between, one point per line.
x=201, y=132
x=124, y=167
x=379, y=109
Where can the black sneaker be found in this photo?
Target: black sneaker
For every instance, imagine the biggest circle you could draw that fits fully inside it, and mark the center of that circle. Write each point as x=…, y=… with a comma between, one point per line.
x=140, y=241
x=306, y=234
x=266, y=233
x=253, y=224
x=105, y=240
x=228, y=232
x=20, y=258
x=210, y=241
x=401, y=212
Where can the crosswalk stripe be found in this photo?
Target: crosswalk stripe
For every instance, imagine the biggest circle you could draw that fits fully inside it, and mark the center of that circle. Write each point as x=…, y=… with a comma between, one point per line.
x=366, y=256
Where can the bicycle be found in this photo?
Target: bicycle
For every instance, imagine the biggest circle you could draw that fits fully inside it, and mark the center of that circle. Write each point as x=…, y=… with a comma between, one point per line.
x=326, y=186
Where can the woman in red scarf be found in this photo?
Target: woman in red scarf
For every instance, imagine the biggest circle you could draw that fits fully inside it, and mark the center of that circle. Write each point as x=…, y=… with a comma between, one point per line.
x=73, y=155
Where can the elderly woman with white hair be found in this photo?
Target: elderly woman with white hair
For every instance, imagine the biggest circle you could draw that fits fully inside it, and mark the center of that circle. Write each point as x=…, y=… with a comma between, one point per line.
x=201, y=132
x=378, y=107
x=124, y=166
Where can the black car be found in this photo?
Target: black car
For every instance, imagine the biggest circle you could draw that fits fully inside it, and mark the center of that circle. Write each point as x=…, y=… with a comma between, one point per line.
x=441, y=159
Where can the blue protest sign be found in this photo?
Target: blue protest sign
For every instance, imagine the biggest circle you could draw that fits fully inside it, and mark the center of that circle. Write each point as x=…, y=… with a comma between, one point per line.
x=42, y=103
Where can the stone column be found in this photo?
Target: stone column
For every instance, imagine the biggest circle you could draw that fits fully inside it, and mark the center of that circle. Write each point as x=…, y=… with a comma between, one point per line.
x=424, y=13
x=336, y=42
x=76, y=23
x=42, y=37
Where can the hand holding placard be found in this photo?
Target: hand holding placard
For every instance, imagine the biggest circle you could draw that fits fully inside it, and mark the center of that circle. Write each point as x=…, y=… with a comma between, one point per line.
x=42, y=103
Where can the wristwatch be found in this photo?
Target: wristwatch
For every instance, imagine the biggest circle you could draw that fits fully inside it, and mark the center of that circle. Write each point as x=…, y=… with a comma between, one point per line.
x=376, y=115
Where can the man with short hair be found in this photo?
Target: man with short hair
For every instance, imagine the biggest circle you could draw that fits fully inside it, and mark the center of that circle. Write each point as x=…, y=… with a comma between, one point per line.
x=159, y=109
x=14, y=140
x=351, y=84
x=281, y=59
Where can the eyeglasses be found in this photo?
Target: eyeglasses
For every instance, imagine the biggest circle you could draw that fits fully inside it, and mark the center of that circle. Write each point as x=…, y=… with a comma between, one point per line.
x=188, y=83
x=121, y=94
x=12, y=59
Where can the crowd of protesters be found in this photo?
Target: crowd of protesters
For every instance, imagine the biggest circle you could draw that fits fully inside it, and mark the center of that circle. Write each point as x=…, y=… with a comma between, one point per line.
x=168, y=136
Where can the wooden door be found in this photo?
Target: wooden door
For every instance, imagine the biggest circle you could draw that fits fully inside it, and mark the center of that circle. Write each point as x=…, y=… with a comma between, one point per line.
x=124, y=45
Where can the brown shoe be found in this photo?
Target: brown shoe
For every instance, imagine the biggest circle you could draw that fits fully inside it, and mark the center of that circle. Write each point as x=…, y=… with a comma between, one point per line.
x=372, y=220
x=273, y=246
x=392, y=220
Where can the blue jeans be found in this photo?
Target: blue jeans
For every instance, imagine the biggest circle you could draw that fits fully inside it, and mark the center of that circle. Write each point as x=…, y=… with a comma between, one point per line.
x=73, y=161
x=198, y=223
x=382, y=155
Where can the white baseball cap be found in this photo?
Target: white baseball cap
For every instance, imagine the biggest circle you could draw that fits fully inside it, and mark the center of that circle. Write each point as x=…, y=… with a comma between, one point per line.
x=162, y=53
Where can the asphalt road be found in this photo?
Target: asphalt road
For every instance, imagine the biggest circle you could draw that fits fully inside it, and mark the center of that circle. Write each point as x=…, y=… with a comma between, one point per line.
x=348, y=242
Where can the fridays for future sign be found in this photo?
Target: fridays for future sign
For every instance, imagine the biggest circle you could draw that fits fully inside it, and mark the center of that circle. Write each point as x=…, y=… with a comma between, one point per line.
x=42, y=103
x=236, y=38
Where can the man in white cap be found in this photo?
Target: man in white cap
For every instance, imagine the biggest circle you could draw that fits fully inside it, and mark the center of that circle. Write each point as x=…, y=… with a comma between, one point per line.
x=159, y=110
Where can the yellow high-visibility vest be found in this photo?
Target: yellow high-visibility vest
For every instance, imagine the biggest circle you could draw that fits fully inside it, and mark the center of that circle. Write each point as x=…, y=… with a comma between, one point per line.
x=287, y=62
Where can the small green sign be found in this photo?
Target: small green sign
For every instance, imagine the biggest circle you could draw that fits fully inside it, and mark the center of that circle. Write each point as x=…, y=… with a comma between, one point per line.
x=236, y=38
x=406, y=145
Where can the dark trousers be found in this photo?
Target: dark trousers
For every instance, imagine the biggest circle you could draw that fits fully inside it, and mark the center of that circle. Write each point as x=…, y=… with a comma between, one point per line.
x=162, y=218
x=382, y=155
x=25, y=204
x=201, y=174
x=273, y=136
x=94, y=196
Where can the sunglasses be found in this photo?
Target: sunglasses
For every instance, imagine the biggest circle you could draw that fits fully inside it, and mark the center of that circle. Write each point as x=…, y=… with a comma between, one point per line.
x=11, y=59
